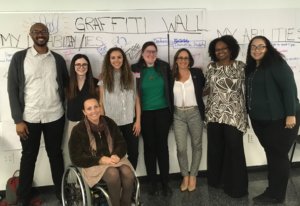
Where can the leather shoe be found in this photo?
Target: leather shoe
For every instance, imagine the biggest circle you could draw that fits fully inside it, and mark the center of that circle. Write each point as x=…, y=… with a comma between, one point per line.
x=166, y=190
x=266, y=198
x=153, y=190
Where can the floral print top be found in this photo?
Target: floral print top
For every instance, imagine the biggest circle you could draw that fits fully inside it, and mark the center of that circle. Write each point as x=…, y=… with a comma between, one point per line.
x=226, y=100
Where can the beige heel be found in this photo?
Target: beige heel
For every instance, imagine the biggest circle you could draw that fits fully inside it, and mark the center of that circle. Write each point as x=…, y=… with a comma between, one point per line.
x=184, y=184
x=192, y=183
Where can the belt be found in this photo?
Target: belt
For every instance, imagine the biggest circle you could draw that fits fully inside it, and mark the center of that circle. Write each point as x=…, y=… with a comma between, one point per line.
x=185, y=108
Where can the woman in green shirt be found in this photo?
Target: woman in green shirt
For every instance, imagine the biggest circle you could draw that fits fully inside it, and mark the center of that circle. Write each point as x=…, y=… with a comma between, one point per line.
x=274, y=111
x=153, y=85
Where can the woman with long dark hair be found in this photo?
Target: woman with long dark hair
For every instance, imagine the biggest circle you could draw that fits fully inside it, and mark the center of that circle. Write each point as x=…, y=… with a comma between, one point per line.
x=81, y=84
x=274, y=110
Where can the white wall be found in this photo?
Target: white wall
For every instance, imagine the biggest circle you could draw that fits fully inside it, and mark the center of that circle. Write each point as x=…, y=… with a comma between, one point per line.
x=254, y=153
x=79, y=5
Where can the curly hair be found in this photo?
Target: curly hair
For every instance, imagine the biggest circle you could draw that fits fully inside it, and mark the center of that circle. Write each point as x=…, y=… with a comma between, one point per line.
x=231, y=43
x=107, y=74
x=272, y=56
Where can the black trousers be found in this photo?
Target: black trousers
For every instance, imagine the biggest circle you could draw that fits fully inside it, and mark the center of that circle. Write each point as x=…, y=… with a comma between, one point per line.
x=155, y=131
x=132, y=143
x=276, y=141
x=53, y=134
x=226, y=163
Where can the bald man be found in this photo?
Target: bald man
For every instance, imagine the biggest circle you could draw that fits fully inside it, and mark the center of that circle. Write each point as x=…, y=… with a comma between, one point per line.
x=36, y=81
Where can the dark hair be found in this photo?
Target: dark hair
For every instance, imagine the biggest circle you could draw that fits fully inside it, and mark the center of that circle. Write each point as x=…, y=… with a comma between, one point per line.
x=271, y=56
x=38, y=24
x=231, y=43
x=107, y=75
x=88, y=97
x=73, y=83
x=175, y=66
x=145, y=45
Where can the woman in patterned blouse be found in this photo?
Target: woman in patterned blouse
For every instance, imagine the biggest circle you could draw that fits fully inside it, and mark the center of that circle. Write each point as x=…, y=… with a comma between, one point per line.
x=226, y=118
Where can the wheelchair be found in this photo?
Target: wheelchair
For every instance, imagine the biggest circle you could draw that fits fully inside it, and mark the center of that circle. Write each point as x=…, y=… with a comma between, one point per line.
x=75, y=192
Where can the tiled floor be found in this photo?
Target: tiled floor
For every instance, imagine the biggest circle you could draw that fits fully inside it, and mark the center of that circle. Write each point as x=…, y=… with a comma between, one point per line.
x=207, y=196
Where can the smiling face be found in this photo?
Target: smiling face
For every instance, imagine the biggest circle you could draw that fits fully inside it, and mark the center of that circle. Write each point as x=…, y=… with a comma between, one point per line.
x=258, y=49
x=150, y=55
x=92, y=110
x=222, y=52
x=116, y=59
x=39, y=34
x=183, y=60
x=81, y=67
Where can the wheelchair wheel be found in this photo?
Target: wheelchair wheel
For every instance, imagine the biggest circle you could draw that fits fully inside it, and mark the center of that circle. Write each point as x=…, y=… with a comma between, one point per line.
x=74, y=191
x=136, y=193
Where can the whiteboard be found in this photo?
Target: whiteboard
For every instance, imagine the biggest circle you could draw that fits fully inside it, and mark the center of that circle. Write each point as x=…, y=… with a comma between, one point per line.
x=94, y=32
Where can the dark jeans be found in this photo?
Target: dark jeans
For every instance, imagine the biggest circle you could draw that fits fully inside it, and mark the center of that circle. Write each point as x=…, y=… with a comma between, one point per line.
x=53, y=134
x=155, y=131
x=132, y=143
x=276, y=141
x=226, y=163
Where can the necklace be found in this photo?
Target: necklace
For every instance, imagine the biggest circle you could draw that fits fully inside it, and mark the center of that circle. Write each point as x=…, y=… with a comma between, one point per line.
x=250, y=88
x=151, y=77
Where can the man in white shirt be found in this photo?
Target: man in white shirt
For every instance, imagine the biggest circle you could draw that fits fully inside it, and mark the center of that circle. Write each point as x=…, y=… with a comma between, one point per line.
x=37, y=78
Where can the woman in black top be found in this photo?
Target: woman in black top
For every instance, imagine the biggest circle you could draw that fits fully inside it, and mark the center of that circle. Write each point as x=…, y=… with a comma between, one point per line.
x=81, y=84
x=274, y=111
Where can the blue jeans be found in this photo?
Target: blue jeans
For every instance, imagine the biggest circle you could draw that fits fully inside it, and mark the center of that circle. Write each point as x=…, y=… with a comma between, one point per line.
x=188, y=122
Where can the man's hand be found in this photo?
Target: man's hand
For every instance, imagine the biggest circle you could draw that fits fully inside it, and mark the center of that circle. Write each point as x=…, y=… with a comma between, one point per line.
x=22, y=130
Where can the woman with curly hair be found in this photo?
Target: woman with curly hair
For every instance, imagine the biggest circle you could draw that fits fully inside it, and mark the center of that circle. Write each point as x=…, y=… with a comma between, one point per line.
x=120, y=100
x=274, y=112
x=226, y=118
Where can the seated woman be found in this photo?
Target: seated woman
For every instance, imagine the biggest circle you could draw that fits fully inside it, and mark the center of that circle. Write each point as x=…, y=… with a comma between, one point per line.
x=97, y=146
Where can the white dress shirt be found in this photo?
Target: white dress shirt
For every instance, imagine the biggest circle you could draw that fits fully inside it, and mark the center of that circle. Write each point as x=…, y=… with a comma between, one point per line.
x=42, y=101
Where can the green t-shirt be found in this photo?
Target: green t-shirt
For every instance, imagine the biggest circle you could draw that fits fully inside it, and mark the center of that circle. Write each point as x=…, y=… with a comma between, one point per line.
x=153, y=94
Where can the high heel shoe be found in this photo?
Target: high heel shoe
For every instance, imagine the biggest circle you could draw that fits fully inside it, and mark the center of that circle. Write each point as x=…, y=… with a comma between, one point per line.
x=184, y=184
x=192, y=183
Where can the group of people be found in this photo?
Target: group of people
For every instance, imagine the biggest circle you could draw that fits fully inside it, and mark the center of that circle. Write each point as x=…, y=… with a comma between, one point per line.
x=106, y=115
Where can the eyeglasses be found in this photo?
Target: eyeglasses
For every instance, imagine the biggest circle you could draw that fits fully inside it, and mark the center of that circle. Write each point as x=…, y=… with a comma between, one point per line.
x=150, y=51
x=36, y=32
x=221, y=49
x=258, y=47
x=77, y=66
x=183, y=58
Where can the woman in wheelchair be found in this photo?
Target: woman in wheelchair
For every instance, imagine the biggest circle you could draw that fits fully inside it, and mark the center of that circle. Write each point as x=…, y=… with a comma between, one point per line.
x=97, y=146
